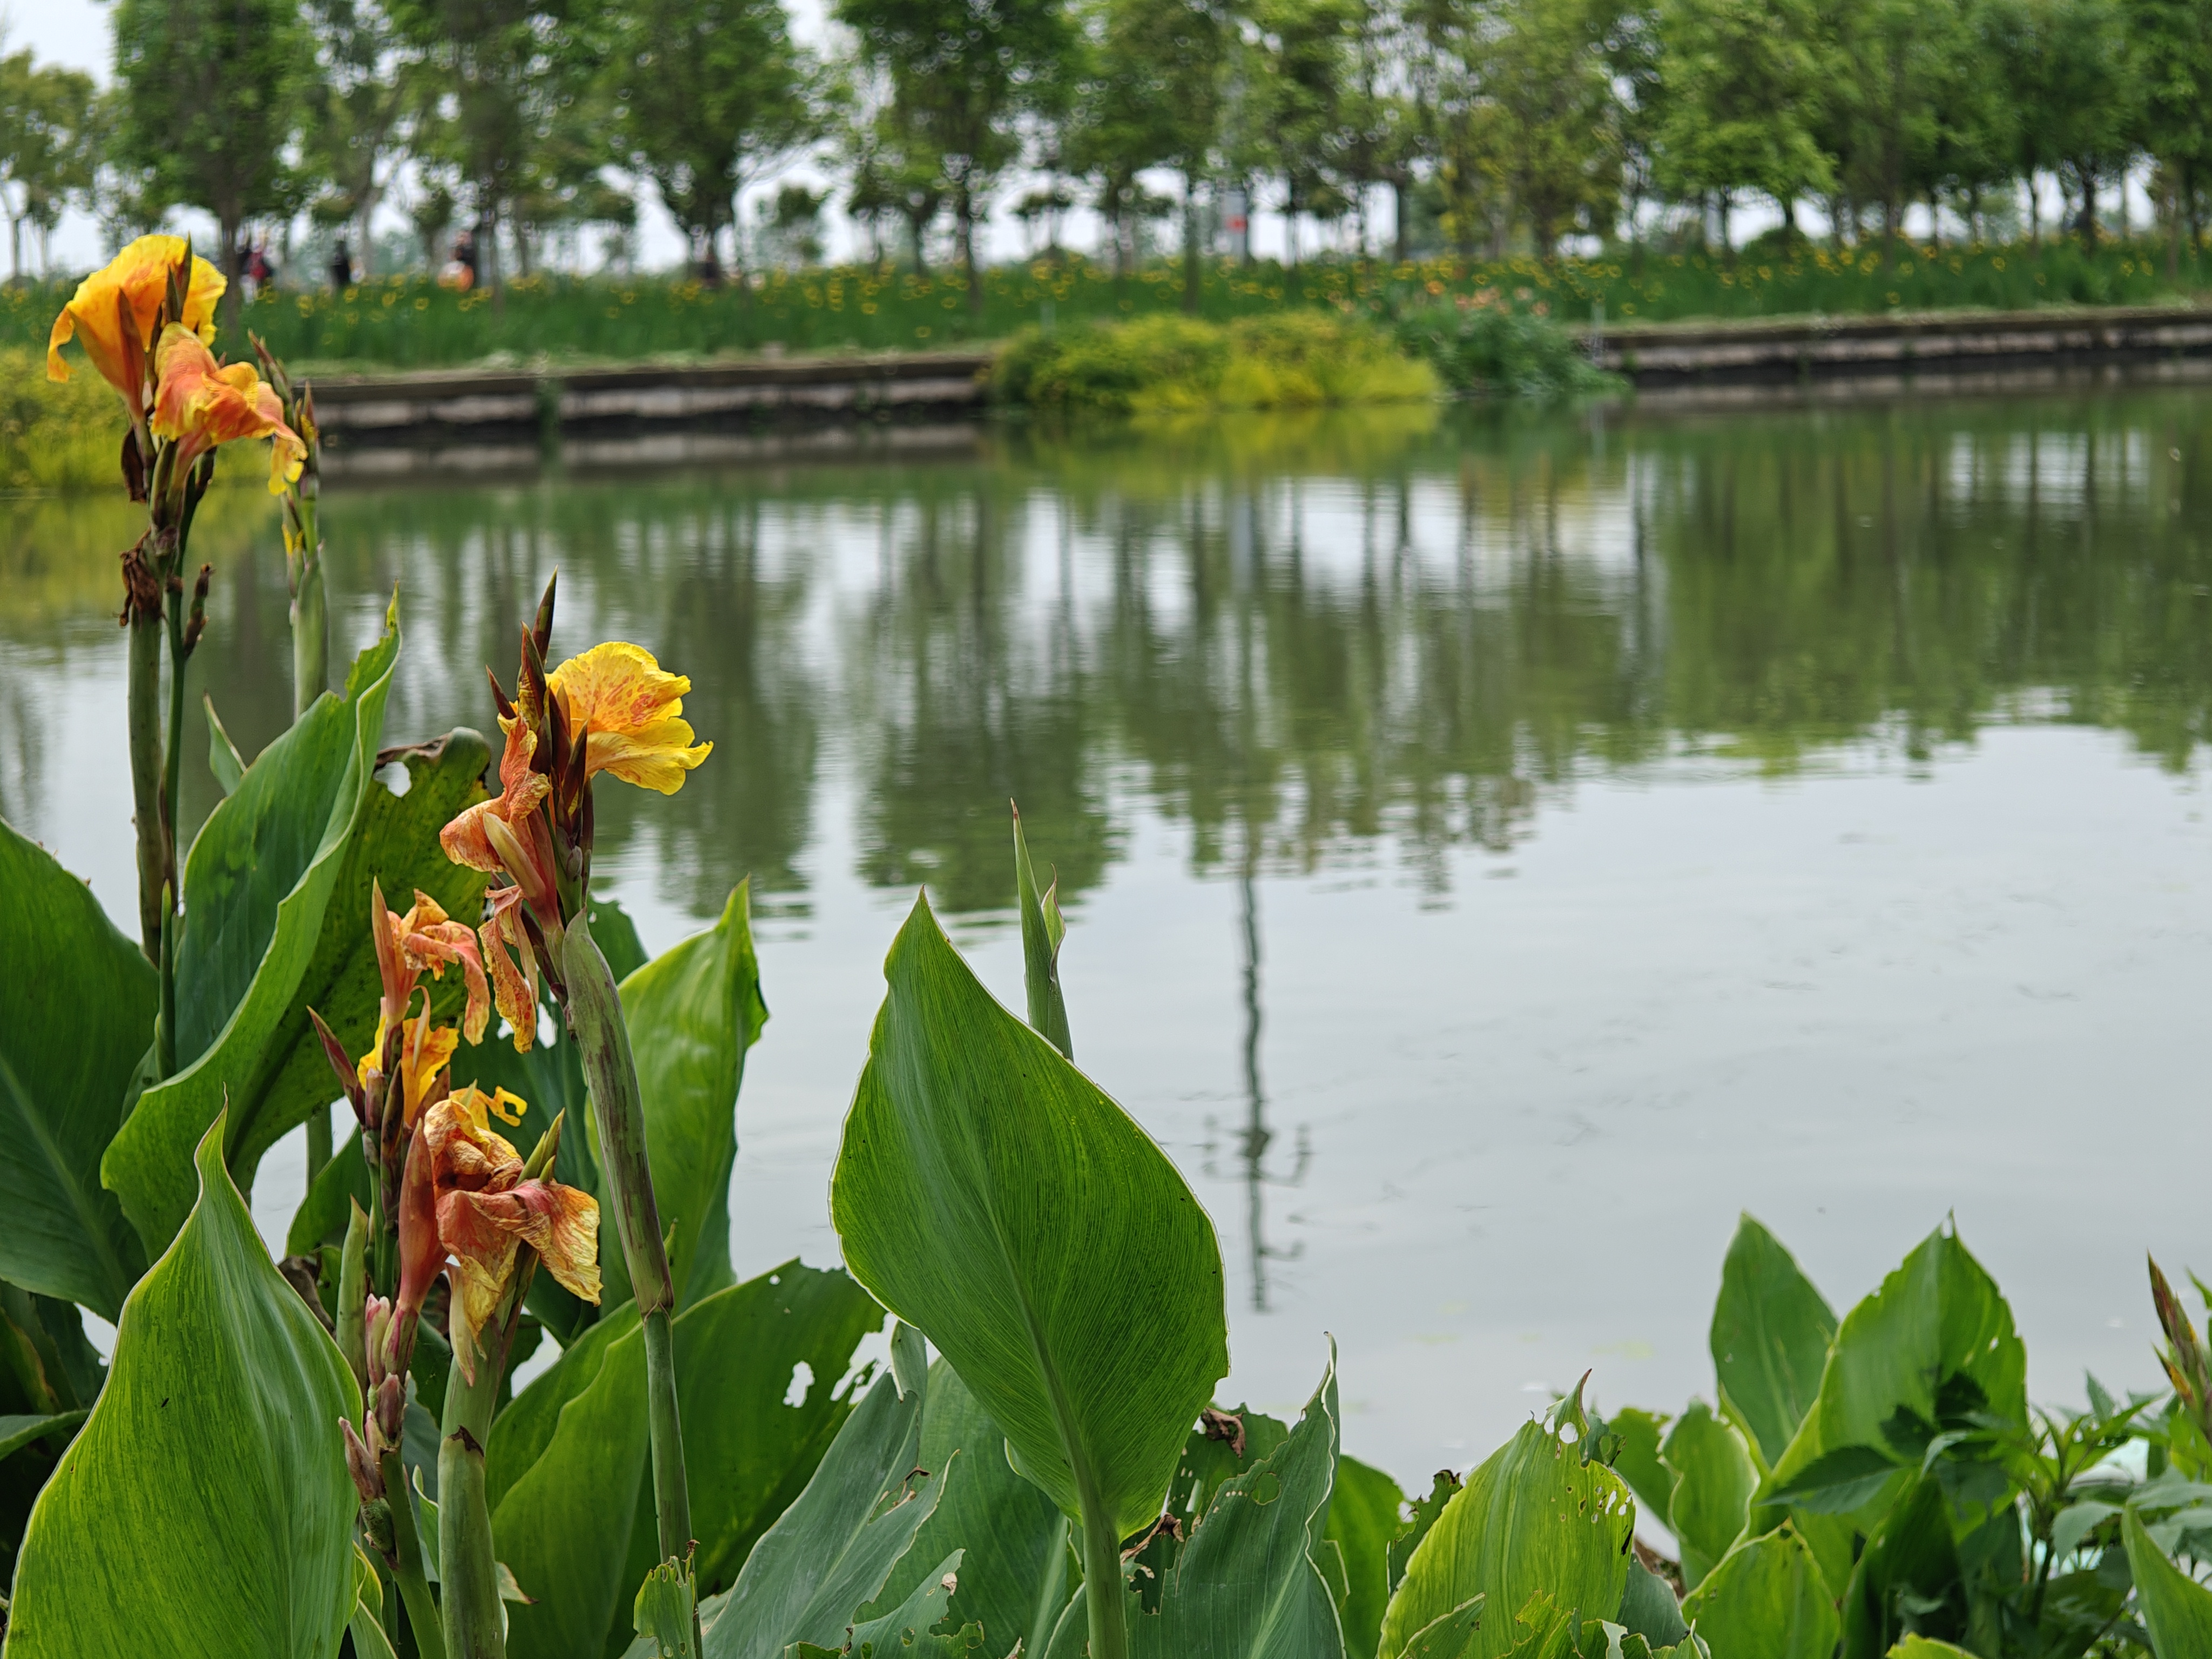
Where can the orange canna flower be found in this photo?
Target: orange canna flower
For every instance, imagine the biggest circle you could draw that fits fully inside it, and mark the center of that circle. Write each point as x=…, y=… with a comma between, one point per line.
x=424, y=939
x=200, y=403
x=112, y=314
x=631, y=709
x=504, y=834
x=485, y=1210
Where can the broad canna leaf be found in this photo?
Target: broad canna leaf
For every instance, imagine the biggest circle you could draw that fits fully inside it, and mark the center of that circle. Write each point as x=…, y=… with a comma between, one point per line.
x=1714, y=1479
x=1533, y=1520
x=1766, y=1599
x=1648, y=1609
x=567, y=1465
x=204, y=1507
x=1364, y=1513
x=830, y=1553
x=1934, y=1343
x=2177, y=1609
x=1014, y=1578
x=1908, y=1577
x=1246, y=1583
x=989, y=1193
x=277, y=910
x=1769, y=1339
x=692, y=1013
x=81, y=1003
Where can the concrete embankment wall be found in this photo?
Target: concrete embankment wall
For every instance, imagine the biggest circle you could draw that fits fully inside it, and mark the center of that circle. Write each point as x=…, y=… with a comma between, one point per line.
x=921, y=402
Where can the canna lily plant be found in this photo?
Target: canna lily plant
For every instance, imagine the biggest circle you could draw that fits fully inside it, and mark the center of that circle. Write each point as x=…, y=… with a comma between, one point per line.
x=144, y=323
x=612, y=710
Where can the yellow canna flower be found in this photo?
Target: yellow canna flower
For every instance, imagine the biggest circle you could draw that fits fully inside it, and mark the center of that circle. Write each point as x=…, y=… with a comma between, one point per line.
x=200, y=403
x=425, y=1050
x=114, y=312
x=632, y=710
x=486, y=1209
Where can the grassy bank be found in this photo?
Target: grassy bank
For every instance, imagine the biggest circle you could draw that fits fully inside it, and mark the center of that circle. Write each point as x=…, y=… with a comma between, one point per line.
x=411, y=323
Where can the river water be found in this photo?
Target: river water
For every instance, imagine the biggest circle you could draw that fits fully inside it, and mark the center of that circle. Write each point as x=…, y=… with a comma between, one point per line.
x=1496, y=854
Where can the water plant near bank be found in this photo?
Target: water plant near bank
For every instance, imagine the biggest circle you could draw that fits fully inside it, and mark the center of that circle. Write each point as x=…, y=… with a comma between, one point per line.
x=282, y=1456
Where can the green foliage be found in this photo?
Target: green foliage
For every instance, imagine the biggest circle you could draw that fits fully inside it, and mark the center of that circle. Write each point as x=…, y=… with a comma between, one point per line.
x=692, y=1013
x=1533, y=1519
x=567, y=1464
x=1165, y=365
x=268, y=933
x=1363, y=1516
x=1482, y=345
x=54, y=437
x=967, y=1126
x=1714, y=1479
x=2176, y=1607
x=205, y=1506
x=1766, y=1599
x=1013, y=1574
x=1769, y=1339
x=75, y=1031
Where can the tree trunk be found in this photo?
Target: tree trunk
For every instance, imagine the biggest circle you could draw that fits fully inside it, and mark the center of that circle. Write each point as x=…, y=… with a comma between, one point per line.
x=1398, y=205
x=1191, y=257
x=964, y=205
x=2034, y=213
x=232, y=295
x=2085, y=224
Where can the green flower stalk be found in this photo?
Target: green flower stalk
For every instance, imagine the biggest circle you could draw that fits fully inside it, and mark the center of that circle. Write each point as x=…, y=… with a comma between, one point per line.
x=144, y=322
x=611, y=710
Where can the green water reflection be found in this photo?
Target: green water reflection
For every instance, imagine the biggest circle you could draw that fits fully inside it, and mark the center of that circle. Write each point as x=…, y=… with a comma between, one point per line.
x=1292, y=636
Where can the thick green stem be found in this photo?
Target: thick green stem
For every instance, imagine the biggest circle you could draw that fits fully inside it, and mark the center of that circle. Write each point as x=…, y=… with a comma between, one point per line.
x=1104, y=1599
x=468, y=1573
x=172, y=791
x=144, y=709
x=310, y=636
x=618, y=1111
x=407, y=1560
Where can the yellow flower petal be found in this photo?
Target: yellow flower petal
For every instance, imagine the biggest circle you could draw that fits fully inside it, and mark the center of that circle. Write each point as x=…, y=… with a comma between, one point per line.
x=200, y=403
x=133, y=283
x=631, y=709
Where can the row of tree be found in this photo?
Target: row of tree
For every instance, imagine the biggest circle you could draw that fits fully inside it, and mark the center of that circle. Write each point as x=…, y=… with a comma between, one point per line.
x=1490, y=123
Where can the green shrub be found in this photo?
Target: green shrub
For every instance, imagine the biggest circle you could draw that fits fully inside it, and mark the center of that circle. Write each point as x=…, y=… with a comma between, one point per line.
x=1484, y=345
x=64, y=436
x=1169, y=365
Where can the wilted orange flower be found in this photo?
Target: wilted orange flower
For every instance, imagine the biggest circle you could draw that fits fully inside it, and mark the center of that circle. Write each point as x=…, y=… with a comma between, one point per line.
x=632, y=710
x=507, y=835
x=112, y=313
x=425, y=939
x=485, y=1209
x=200, y=403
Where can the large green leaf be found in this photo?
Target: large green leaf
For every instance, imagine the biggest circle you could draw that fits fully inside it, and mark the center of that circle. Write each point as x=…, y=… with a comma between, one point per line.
x=1908, y=1577
x=81, y=1002
x=2177, y=1609
x=205, y=1507
x=692, y=1013
x=1043, y=930
x=1365, y=1514
x=562, y=1522
x=1535, y=1519
x=1014, y=1578
x=1766, y=1599
x=1637, y=1460
x=262, y=875
x=830, y=1553
x=1246, y=1585
x=1935, y=1339
x=566, y=1470
x=1713, y=1482
x=990, y=1194
x=1769, y=1339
